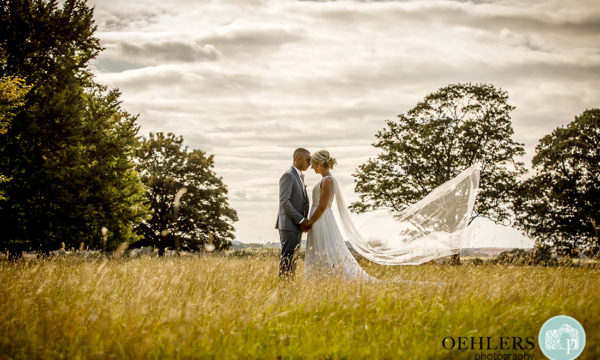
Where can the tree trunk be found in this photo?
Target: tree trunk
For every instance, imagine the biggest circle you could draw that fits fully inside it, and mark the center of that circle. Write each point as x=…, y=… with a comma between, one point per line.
x=455, y=259
x=596, y=240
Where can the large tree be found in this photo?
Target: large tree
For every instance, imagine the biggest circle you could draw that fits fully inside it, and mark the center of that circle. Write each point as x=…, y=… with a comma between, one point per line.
x=560, y=205
x=69, y=150
x=442, y=135
x=188, y=200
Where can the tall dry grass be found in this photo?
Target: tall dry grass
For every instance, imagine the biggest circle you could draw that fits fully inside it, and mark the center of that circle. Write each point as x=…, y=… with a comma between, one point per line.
x=226, y=307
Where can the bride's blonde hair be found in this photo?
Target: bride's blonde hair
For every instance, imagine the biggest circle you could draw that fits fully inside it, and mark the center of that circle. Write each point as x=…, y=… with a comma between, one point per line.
x=324, y=158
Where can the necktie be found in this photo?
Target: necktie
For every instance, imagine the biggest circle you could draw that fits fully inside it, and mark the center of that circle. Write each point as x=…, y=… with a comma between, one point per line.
x=303, y=185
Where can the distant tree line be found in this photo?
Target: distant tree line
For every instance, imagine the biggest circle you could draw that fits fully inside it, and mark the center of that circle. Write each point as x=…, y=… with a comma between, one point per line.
x=461, y=124
x=73, y=169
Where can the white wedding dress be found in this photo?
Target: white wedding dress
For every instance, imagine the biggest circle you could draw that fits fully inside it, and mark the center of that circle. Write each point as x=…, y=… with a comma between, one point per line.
x=429, y=229
x=326, y=251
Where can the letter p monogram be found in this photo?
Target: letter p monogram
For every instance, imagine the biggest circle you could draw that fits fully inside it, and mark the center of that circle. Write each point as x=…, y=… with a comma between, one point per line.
x=571, y=345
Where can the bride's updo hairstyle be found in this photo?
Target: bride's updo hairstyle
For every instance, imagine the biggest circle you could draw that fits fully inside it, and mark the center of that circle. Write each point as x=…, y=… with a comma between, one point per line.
x=324, y=158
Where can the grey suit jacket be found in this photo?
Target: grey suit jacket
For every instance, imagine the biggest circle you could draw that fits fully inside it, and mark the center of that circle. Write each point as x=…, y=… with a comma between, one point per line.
x=293, y=201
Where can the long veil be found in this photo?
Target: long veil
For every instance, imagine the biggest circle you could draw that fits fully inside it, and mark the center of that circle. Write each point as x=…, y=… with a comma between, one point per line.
x=428, y=229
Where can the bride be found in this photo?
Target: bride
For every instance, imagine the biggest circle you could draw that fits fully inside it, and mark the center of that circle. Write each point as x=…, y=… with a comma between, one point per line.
x=325, y=247
x=429, y=229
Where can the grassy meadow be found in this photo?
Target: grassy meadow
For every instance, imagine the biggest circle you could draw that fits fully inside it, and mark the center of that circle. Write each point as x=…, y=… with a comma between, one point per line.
x=223, y=307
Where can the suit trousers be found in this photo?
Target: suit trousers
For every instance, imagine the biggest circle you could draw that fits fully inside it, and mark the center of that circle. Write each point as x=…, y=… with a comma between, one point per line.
x=290, y=241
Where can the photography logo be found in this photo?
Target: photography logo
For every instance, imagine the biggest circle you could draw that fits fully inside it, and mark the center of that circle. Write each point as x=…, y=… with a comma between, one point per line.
x=562, y=338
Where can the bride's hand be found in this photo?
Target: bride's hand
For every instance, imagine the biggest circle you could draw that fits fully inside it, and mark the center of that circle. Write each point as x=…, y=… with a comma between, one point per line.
x=308, y=225
x=305, y=225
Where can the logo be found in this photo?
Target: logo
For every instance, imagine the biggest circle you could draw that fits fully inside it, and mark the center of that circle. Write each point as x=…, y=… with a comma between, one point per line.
x=562, y=338
x=492, y=348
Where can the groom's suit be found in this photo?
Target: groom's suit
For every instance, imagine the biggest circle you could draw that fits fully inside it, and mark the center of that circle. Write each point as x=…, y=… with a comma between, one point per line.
x=293, y=207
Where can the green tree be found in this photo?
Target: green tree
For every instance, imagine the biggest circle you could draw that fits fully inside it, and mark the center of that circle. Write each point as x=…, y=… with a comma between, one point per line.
x=69, y=150
x=442, y=135
x=560, y=205
x=12, y=93
x=188, y=200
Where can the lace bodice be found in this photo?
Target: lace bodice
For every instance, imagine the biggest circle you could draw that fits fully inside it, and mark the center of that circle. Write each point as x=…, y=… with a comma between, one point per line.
x=316, y=194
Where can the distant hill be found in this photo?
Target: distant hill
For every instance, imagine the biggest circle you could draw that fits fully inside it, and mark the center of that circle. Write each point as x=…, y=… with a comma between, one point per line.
x=483, y=252
x=480, y=252
x=236, y=245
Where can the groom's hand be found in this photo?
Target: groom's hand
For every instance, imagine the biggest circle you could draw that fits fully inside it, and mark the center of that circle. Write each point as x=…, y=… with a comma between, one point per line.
x=304, y=226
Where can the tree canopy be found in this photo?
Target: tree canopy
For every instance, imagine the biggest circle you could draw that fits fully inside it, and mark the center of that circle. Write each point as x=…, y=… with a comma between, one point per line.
x=69, y=150
x=448, y=131
x=560, y=205
x=188, y=200
x=12, y=93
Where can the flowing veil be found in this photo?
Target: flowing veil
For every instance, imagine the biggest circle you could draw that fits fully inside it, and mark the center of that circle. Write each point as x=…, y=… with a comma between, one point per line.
x=428, y=229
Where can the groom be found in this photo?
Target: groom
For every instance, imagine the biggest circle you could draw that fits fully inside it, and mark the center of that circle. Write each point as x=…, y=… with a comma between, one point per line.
x=293, y=212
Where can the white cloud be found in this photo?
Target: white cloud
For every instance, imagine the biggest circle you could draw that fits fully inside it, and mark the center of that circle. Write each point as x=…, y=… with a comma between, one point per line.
x=169, y=51
x=251, y=80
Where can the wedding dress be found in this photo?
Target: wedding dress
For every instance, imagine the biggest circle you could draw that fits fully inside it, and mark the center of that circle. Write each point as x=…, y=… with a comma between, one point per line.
x=429, y=229
x=325, y=247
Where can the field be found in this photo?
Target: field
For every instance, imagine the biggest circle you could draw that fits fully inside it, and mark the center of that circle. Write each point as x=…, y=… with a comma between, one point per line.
x=234, y=307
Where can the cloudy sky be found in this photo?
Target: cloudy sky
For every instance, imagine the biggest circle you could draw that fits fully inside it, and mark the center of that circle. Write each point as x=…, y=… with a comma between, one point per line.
x=251, y=80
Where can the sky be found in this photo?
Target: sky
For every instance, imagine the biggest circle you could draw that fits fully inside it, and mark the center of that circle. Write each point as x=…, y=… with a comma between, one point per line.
x=251, y=80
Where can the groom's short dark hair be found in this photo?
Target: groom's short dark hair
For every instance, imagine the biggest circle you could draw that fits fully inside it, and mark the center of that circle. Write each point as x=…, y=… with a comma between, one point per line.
x=299, y=152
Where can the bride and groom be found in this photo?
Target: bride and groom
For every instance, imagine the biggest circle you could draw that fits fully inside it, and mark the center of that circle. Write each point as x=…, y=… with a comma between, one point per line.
x=428, y=229
x=325, y=247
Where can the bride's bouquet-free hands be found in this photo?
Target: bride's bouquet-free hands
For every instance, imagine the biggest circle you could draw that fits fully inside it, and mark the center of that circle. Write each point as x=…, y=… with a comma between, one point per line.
x=305, y=226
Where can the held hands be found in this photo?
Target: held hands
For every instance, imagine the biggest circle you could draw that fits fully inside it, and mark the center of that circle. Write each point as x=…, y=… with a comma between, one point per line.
x=305, y=225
